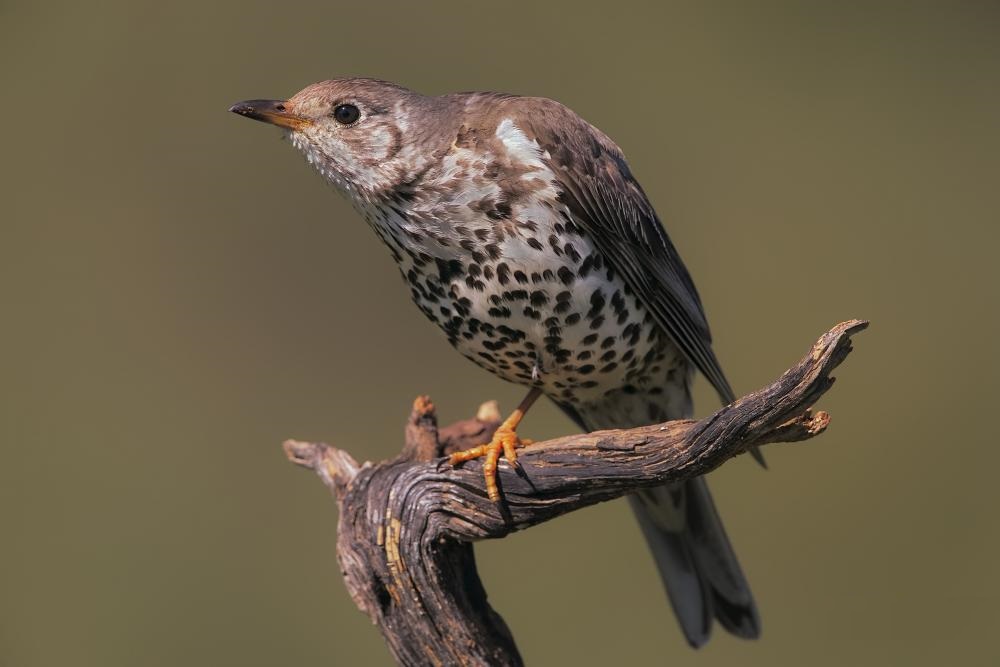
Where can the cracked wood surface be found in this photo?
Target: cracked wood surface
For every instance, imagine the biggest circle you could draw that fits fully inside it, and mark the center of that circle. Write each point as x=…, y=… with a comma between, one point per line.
x=407, y=525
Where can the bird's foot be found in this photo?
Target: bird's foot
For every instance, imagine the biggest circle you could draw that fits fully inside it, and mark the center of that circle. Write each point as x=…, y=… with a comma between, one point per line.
x=506, y=441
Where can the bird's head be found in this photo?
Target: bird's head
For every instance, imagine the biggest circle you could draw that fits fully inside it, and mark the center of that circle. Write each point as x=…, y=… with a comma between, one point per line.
x=363, y=135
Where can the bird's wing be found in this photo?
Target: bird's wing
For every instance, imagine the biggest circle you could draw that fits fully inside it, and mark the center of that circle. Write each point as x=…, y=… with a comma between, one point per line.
x=600, y=193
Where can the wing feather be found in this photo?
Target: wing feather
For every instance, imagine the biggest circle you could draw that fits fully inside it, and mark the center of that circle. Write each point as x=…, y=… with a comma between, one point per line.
x=603, y=197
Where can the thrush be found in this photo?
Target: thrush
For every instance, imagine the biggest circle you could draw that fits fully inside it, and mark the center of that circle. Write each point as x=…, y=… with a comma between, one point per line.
x=522, y=233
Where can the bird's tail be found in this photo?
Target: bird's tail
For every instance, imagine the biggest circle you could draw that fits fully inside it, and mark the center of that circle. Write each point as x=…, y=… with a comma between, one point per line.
x=696, y=562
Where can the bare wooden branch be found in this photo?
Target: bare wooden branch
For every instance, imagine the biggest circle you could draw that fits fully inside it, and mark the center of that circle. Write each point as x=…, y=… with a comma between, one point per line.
x=407, y=525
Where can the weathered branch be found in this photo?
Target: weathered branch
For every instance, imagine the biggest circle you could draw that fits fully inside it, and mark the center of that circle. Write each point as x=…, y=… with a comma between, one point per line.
x=406, y=525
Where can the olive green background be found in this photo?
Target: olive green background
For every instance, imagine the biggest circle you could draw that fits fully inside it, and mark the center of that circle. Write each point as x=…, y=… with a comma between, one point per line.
x=180, y=293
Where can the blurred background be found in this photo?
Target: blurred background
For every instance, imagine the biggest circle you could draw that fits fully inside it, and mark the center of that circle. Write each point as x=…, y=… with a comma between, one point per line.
x=173, y=303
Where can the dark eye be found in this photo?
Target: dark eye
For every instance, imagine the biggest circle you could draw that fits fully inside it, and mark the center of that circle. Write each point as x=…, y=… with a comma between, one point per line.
x=346, y=114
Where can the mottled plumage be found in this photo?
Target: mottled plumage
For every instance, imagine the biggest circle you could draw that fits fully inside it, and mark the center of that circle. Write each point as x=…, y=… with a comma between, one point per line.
x=523, y=235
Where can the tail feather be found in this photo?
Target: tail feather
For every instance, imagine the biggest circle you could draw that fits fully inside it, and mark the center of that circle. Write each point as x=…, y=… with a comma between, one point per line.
x=682, y=527
x=688, y=593
x=696, y=562
x=734, y=604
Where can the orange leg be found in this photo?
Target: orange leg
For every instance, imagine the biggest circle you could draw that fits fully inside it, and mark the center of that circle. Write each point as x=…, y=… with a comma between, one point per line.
x=504, y=440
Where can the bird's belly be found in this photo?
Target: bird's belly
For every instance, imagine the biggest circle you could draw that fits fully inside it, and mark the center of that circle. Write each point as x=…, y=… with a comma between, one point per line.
x=571, y=327
x=535, y=303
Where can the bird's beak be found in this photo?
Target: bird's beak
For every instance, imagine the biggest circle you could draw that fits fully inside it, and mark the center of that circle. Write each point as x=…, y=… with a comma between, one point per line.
x=271, y=111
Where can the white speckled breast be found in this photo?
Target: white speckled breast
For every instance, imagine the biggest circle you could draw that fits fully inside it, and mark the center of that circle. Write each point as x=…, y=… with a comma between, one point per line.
x=495, y=260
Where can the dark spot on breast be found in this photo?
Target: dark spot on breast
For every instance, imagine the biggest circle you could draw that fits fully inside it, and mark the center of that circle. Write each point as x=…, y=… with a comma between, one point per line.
x=596, y=304
x=539, y=298
x=565, y=275
x=572, y=252
x=502, y=311
x=618, y=301
x=534, y=243
x=448, y=270
x=515, y=295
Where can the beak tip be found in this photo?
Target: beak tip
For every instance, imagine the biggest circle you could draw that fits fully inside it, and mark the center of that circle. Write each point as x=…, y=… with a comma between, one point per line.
x=270, y=111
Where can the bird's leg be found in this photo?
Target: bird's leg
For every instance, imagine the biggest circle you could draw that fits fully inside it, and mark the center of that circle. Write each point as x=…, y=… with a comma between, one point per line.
x=505, y=440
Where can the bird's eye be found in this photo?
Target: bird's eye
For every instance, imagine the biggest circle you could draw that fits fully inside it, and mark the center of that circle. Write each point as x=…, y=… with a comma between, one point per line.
x=346, y=114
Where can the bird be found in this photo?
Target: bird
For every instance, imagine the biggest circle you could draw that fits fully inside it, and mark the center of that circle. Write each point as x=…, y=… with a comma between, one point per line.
x=522, y=233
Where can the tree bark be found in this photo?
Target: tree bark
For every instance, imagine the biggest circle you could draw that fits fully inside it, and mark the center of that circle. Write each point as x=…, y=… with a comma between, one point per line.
x=407, y=525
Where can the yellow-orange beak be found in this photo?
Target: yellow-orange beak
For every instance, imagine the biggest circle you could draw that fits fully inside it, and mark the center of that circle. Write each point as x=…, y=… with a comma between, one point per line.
x=271, y=111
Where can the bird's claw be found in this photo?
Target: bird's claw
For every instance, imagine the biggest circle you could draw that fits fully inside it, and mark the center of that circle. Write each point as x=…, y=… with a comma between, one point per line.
x=506, y=441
